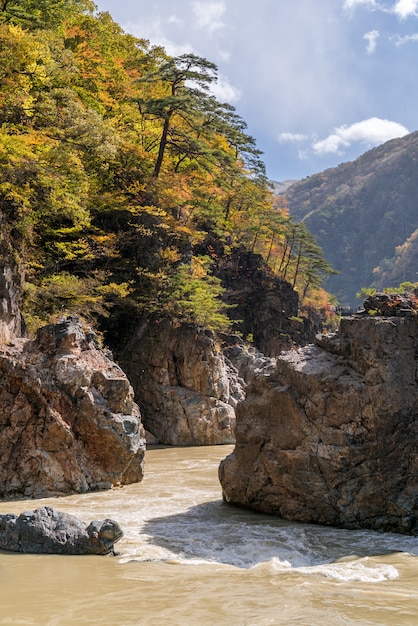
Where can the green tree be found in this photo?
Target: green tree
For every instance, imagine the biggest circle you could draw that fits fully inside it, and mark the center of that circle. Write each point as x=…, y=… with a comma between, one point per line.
x=195, y=295
x=41, y=13
x=181, y=99
x=118, y=165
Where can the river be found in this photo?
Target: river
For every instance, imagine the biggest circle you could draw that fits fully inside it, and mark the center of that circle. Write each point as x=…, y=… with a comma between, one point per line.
x=188, y=558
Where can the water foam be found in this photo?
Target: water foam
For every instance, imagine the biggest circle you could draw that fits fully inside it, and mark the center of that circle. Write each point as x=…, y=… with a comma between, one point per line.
x=354, y=571
x=176, y=516
x=215, y=533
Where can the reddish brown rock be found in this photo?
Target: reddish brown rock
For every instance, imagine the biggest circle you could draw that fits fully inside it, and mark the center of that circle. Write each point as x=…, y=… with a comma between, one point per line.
x=331, y=436
x=68, y=422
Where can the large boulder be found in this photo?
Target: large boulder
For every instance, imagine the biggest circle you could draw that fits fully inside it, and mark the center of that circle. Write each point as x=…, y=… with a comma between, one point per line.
x=47, y=531
x=390, y=305
x=68, y=421
x=186, y=388
x=330, y=436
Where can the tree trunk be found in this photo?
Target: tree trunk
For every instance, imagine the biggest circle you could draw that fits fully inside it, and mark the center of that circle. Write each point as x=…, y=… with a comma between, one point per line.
x=161, y=149
x=305, y=291
x=271, y=247
x=297, y=267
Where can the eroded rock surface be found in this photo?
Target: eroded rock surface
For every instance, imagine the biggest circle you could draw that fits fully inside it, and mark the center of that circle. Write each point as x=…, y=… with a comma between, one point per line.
x=331, y=435
x=11, y=322
x=186, y=388
x=47, y=531
x=68, y=422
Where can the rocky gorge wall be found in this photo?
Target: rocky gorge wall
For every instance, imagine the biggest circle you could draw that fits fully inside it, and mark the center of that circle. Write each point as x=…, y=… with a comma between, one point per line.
x=11, y=322
x=68, y=421
x=330, y=435
x=264, y=307
x=186, y=388
x=186, y=380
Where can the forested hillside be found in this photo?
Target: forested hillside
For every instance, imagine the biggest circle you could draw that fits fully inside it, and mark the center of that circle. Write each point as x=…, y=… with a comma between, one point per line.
x=365, y=216
x=124, y=183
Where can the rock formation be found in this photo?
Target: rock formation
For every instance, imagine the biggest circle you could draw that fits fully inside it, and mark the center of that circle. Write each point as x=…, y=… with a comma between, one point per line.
x=331, y=435
x=389, y=305
x=68, y=422
x=247, y=361
x=186, y=388
x=264, y=306
x=11, y=322
x=46, y=531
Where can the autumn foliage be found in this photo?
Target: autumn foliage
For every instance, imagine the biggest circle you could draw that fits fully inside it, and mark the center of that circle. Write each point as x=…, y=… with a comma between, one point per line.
x=116, y=161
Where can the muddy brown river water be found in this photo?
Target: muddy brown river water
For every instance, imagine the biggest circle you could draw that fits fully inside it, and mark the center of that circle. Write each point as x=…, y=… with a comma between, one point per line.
x=188, y=558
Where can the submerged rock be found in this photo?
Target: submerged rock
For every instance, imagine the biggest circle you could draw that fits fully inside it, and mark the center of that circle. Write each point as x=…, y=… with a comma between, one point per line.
x=47, y=531
x=331, y=435
x=68, y=422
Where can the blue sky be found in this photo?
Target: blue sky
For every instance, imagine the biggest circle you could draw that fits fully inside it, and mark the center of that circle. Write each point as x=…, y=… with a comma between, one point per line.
x=318, y=83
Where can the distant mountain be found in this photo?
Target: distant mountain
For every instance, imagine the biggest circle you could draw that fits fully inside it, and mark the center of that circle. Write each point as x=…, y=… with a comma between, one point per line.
x=280, y=187
x=364, y=214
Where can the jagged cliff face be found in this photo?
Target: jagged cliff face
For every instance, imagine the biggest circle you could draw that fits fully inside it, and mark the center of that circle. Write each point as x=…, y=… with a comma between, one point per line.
x=185, y=387
x=265, y=307
x=331, y=436
x=11, y=286
x=11, y=322
x=68, y=422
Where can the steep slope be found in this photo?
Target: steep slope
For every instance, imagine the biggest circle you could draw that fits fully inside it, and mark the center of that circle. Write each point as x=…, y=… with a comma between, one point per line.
x=116, y=162
x=361, y=212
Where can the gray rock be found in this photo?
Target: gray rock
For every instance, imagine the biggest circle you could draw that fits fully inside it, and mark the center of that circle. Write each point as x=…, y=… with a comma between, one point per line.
x=47, y=531
x=11, y=321
x=185, y=386
x=390, y=305
x=330, y=436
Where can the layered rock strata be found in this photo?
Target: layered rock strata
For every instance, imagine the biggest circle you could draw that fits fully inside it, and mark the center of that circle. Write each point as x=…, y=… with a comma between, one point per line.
x=331, y=435
x=68, y=422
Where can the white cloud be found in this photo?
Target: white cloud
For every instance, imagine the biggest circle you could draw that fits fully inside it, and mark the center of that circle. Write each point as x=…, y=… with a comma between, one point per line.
x=401, y=8
x=371, y=37
x=372, y=132
x=406, y=39
x=350, y=5
x=224, y=91
x=291, y=137
x=209, y=15
x=173, y=19
x=406, y=8
x=153, y=30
